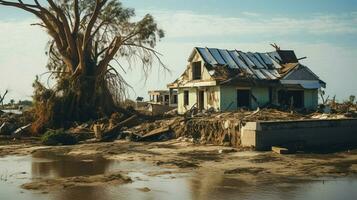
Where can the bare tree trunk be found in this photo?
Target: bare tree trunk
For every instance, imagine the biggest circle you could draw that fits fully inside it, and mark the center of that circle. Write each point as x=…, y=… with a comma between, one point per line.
x=2, y=98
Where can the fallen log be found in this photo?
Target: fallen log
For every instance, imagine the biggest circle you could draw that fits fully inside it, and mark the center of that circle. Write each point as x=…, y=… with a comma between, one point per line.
x=113, y=133
x=156, y=134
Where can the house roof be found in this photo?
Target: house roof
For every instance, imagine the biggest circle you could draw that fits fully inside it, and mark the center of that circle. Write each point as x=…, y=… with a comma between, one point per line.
x=234, y=65
x=265, y=66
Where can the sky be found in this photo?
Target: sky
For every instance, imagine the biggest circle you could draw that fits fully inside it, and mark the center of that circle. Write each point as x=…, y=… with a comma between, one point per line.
x=325, y=31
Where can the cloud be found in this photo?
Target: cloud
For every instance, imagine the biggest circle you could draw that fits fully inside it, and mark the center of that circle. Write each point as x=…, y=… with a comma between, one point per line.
x=180, y=24
x=22, y=48
x=251, y=14
x=333, y=64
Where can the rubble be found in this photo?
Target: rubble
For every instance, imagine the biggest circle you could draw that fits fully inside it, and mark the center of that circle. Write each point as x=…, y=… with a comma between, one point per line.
x=207, y=127
x=115, y=130
x=162, y=133
x=6, y=128
x=21, y=131
x=15, y=125
x=215, y=128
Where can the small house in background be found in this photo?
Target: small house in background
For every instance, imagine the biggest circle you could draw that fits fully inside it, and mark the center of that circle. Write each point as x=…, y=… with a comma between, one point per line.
x=226, y=80
x=163, y=97
x=160, y=102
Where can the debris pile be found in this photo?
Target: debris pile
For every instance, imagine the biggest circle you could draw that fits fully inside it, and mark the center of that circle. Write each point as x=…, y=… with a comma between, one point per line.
x=15, y=125
x=214, y=128
x=197, y=127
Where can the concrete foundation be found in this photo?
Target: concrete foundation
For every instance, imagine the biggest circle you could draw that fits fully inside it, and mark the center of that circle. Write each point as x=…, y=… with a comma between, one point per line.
x=310, y=133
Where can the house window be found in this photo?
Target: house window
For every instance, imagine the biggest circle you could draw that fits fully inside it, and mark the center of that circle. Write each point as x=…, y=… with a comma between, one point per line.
x=175, y=99
x=196, y=70
x=161, y=99
x=166, y=99
x=243, y=98
x=185, y=98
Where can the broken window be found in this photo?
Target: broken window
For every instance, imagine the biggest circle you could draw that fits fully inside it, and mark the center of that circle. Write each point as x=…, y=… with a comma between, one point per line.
x=292, y=98
x=243, y=98
x=196, y=70
x=185, y=98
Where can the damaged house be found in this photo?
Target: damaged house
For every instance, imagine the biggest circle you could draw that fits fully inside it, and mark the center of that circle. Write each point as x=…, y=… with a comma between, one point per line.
x=226, y=80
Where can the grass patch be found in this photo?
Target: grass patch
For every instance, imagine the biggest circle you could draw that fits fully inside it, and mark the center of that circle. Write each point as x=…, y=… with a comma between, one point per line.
x=58, y=137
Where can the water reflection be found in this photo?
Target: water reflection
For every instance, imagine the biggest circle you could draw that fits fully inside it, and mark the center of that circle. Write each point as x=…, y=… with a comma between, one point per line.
x=50, y=165
x=197, y=185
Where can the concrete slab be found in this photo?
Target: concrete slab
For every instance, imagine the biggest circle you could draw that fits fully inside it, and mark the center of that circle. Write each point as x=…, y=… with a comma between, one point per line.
x=308, y=133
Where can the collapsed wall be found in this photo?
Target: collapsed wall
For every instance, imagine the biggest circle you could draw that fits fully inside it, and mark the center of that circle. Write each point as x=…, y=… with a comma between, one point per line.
x=262, y=135
x=207, y=131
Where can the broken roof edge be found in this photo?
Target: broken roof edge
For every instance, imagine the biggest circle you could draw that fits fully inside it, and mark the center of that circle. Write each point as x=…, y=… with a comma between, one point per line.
x=241, y=81
x=190, y=84
x=195, y=50
x=299, y=65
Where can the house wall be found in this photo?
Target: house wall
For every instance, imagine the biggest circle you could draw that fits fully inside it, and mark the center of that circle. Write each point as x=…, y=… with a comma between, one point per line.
x=311, y=99
x=181, y=108
x=262, y=96
x=224, y=98
x=228, y=97
x=211, y=98
x=204, y=72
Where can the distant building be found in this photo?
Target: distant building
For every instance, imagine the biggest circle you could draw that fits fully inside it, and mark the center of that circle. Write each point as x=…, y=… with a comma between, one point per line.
x=163, y=97
x=225, y=80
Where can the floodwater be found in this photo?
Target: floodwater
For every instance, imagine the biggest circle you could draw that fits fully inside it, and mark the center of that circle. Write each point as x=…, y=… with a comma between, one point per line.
x=15, y=171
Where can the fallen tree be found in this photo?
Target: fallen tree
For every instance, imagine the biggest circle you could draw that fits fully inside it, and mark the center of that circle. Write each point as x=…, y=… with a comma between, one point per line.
x=89, y=38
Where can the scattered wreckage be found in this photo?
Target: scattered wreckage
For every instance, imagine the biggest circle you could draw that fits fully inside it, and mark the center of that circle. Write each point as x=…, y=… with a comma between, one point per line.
x=205, y=127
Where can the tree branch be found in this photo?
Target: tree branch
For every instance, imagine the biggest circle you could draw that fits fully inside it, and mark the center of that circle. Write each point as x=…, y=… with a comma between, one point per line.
x=98, y=6
x=76, y=17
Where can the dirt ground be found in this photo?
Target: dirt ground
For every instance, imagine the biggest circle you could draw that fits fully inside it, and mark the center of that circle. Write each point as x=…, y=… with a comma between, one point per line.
x=188, y=157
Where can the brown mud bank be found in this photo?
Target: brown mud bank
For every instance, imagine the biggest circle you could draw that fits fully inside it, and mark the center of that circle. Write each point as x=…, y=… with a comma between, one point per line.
x=176, y=156
x=77, y=181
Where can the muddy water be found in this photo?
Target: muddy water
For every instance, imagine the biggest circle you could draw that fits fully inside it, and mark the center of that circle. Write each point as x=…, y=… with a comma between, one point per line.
x=15, y=171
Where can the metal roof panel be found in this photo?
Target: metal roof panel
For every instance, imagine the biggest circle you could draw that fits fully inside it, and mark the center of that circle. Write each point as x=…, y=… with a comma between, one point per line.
x=217, y=56
x=227, y=57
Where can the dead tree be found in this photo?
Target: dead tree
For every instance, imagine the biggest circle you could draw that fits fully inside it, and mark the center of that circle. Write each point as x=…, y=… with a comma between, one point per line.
x=276, y=47
x=3, y=97
x=89, y=41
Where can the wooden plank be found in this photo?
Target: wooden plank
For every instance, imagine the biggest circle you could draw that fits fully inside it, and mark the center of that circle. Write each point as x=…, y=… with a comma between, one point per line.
x=280, y=150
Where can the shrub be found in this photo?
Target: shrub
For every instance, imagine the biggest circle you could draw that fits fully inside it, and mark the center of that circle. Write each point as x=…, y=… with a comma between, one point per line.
x=58, y=137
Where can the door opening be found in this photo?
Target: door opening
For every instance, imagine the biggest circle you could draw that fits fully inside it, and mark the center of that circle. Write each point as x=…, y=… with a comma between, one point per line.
x=243, y=98
x=201, y=100
x=293, y=98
